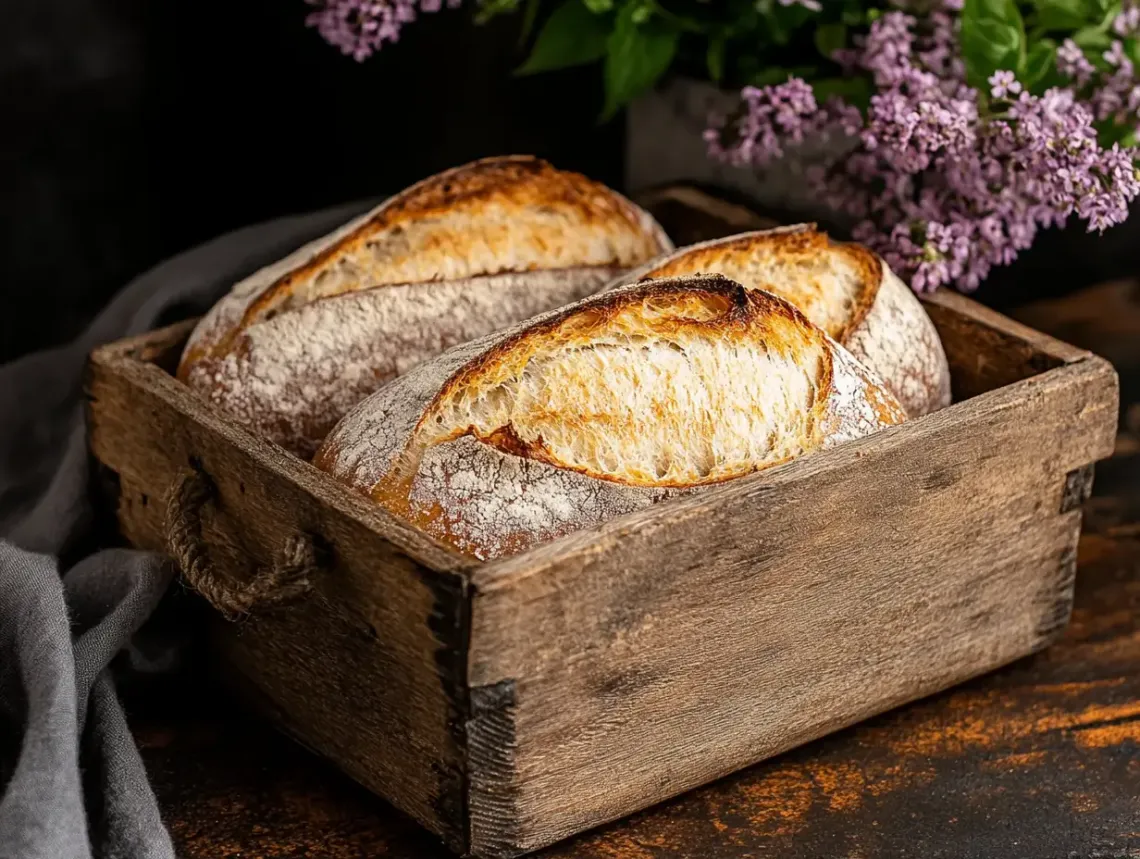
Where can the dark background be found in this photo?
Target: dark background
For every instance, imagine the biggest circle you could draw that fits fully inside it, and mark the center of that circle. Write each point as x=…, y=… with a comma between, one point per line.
x=133, y=129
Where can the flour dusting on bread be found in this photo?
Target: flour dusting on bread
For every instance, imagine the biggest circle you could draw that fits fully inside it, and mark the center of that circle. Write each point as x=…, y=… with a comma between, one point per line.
x=459, y=255
x=844, y=288
x=299, y=373
x=652, y=393
x=618, y=401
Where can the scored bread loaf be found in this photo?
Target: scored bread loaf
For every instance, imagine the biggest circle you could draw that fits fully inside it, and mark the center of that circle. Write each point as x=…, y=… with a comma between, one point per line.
x=601, y=408
x=844, y=288
x=469, y=251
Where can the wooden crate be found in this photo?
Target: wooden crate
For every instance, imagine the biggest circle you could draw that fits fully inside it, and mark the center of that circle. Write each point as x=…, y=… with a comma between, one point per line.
x=508, y=705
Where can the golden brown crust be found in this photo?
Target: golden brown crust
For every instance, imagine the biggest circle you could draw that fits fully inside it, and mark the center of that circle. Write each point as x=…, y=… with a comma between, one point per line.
x=459, y=446
x=290, y=349
x=842, y=287
x=802, y=242
x=741, y=314
x=510, y=183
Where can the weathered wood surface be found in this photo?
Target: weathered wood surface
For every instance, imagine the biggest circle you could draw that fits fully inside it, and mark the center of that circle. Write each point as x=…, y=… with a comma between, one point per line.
x=650, y=663
x=630, y=662
x=1037, y=760
x=364, y=666
x=923, y=781
x=588, y=669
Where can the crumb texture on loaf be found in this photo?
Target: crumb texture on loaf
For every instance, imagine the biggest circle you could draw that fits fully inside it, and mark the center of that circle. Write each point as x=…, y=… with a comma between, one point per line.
x=653, y=393
x=601, y=408
x=844, y=288
x=289, y=350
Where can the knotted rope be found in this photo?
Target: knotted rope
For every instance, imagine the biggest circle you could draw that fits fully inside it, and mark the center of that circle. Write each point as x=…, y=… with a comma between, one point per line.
x=287, y=579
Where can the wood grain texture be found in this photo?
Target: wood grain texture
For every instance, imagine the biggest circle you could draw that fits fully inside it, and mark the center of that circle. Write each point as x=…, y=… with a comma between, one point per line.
x=1038, y=759
x=363, y=668
x=1051, y=742
x=662, y=650
x=510, y=705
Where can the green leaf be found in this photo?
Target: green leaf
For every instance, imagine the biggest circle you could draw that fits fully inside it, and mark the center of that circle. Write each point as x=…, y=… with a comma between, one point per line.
x=1063, y=14
x=854, y=15
x=830, y=38
x=572, y=36
x=989, y=45
x=530, y=15
x=1039, y=62
x=1004, y=11
x=782, y=21
x=1096, y=37
x=1110, y=132
x=636, y=56
x=599, y=7
x=1092, y=39
x=489, y=9
x=714, y=58
x=992, y=38
x=854, y=90
x=779, y=74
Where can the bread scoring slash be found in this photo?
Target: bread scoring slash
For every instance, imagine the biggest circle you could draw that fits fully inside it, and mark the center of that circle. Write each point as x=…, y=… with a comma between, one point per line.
x=844, y=288
x=602, y=408
x=466, y=252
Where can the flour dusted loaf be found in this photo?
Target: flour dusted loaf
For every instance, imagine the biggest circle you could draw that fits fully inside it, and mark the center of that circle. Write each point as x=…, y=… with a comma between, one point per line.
x=845, y=289
x=457, y=256
x=601, y=408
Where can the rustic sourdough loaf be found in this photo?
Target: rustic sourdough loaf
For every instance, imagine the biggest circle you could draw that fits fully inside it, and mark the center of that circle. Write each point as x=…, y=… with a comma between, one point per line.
x=845, y=289
x=290, y=349
x=600, y=408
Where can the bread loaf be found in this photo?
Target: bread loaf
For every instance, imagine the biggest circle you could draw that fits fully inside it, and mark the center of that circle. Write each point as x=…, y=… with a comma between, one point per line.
x=845, y=289
x=459, y=255
x=601, y=408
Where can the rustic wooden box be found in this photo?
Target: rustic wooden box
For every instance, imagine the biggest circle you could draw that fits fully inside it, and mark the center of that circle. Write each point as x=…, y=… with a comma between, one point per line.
x=508, y=705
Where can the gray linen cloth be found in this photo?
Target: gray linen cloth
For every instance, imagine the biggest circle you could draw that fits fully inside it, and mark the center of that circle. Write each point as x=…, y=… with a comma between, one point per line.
x=74, y=785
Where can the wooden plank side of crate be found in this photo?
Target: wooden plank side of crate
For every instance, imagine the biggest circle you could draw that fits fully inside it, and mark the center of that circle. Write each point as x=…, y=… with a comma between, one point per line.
x=368, y=667
x=624, y=665
x=987, y=350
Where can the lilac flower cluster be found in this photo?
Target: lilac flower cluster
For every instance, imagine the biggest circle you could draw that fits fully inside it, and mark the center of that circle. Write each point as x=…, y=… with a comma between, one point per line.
x=776, y=116
x=946, y=182
x=361, y=27
x=1113, y=94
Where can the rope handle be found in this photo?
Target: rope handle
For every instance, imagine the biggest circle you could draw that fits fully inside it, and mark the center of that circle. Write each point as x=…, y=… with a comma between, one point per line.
x=287, y=579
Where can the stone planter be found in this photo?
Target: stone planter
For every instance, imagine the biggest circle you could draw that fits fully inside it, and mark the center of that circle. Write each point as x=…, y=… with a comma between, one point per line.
x=664, y=144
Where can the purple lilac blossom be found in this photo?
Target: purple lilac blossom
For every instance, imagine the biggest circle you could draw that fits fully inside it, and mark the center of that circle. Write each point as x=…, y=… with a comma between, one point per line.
x=1127, y=23
x=1113, y=93
x=359, y=28
x=1072, y=62
x=946, y=182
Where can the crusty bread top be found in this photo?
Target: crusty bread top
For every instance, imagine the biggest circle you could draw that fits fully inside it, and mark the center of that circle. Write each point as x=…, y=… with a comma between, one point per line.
x=670, y=384
x=660, y=388
x=506, y=214
x=844, y=288
x=833, y=283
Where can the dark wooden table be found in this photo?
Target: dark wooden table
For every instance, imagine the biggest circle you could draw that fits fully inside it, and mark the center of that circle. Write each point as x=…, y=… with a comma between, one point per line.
x=1040, y=760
